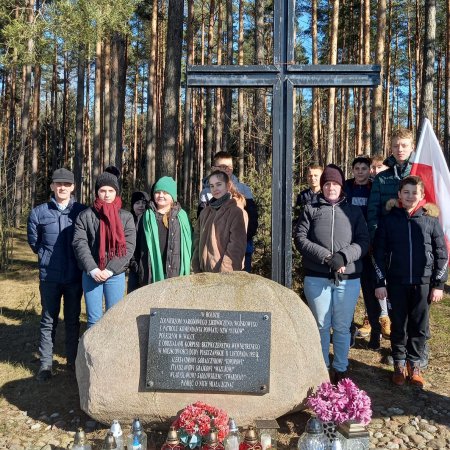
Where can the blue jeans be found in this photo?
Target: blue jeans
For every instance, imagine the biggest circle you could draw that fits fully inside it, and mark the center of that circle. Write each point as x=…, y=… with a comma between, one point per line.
x=113, y=289
x=51, y=294
x=333, y=307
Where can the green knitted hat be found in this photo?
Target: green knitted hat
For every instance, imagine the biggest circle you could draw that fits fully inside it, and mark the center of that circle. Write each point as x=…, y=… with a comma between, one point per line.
x=167, y=184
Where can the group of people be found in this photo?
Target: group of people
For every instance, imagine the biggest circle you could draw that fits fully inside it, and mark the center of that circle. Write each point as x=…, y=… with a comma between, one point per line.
x=374, y=231
x=89, y=249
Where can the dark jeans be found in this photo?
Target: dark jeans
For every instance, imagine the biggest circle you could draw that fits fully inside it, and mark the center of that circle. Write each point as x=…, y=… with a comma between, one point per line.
x=133, y=281
x=248, y=256
x=409, y=315
x=51, y=294
x=371, y=303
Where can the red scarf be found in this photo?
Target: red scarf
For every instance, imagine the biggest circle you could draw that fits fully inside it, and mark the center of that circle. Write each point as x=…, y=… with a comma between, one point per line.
x=112, y=236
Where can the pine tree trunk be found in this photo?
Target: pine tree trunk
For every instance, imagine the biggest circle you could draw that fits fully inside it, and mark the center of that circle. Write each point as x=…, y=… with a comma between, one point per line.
x=260, y=150
x=315, y=91
x=366, y=91
x=410, y=80
x=79, y=153
x=97, y=165
x=187, y=154
x=219, y=91
x=447, y=86
x=106, y=66
x=35, y=134
x=208, y=100
x=241, y=104
x=166, y=163
x=332, y=91
x=377, y=112
x=426, y=104
x=227, y=92
x=150, y=129
x=65, y=114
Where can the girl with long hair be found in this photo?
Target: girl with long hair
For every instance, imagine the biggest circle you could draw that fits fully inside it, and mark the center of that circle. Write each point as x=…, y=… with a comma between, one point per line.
x=220, y=238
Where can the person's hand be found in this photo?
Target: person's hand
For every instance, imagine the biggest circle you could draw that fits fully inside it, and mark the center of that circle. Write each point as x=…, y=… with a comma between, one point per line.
x=336, y=262
x=381, y=293
x=341, y=269
x=436, y=295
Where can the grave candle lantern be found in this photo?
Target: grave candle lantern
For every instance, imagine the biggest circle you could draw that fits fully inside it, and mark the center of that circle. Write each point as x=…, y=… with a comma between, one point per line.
x=172, y=441
x=250, y=440
x=356, y=436
x=268, y=428
x=212, y=441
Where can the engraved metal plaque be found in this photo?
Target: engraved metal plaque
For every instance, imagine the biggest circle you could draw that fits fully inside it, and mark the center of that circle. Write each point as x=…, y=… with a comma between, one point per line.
x=208, y=350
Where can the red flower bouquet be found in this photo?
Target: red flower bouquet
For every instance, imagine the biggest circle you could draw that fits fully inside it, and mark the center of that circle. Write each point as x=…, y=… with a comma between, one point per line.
x=196, y=421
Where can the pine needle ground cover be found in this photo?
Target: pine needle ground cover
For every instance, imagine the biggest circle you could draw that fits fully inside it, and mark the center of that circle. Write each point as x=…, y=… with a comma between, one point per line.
x=34, y=414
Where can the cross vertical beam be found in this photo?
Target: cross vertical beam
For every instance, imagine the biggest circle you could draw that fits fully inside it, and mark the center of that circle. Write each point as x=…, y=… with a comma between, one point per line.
x=282, y=142
x=283, y=76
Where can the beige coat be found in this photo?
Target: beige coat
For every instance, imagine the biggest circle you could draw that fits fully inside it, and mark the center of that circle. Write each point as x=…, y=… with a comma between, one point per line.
x=220, y=238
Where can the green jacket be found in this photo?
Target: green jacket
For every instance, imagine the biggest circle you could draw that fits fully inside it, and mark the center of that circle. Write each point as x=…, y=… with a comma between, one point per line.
x=385, y=187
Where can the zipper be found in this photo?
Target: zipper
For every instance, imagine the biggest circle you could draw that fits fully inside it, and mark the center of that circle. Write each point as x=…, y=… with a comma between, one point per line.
x=332, y=229
x=410, y=252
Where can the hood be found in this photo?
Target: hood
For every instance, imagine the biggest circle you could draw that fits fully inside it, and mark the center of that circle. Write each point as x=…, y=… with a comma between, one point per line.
x=430, y=209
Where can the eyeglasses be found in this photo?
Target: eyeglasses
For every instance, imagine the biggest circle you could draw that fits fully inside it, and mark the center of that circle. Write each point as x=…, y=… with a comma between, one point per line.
x=222, y=167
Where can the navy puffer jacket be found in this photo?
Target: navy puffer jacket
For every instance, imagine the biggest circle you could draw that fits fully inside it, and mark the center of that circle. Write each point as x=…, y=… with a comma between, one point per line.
x=50, y=234
x=324, y=229
x=410, y=249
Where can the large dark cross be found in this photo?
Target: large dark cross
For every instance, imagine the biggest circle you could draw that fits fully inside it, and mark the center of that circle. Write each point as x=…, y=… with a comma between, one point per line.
x=283, y=76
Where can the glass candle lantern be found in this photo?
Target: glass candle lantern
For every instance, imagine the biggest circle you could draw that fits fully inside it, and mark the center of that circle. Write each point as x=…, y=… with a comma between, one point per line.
x=266, y=429
x=110, y=442
x=80, y=441
x=313, y=438
x=356, y=436
x=233, y=438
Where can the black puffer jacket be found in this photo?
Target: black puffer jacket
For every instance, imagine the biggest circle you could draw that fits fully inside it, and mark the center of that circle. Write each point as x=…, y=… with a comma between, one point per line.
x=410, y=249
x=86, y=241
x=325, y=229
x=172, y=263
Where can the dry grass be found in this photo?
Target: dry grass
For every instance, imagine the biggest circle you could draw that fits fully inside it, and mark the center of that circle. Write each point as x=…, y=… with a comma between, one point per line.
x=19, y=334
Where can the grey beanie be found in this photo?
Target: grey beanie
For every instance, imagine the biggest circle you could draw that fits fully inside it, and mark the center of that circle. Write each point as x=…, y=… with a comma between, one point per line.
x=107, y=179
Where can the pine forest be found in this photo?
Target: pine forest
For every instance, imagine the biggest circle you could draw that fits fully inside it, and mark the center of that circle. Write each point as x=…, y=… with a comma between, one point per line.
x=85, y=84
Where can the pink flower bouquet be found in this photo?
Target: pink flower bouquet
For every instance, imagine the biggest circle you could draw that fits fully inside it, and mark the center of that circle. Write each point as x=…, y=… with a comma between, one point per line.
x=196, y=420
x=341, y=403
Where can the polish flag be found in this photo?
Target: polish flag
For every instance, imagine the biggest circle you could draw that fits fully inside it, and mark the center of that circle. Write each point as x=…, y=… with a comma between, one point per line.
x=429, y=163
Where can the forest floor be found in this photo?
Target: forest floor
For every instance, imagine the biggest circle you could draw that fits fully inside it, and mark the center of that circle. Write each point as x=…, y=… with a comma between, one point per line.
x=35, y=415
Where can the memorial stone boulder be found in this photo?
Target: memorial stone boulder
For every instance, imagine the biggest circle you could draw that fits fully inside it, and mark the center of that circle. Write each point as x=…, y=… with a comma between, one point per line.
x=111, y=366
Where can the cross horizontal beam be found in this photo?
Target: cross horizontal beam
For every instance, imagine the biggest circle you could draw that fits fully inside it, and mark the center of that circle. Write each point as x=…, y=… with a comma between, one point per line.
x=232, y=76
x=299, y=75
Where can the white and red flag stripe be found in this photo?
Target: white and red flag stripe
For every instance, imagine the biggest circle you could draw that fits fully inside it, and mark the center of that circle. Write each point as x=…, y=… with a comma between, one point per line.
x=429, y=163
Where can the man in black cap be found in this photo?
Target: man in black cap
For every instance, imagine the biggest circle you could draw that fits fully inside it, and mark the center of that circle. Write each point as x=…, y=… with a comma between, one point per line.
x=50, y=233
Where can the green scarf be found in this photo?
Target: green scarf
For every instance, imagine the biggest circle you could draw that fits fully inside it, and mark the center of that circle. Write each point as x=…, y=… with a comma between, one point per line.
x=151, y=236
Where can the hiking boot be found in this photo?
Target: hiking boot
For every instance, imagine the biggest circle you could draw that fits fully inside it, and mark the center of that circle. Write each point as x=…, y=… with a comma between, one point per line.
x=44, y=374
x=374, y=342
x=425, y=355
x=338, y=376
x=365, y=330
x=385, y=323
x=399, y=376
x=414, y=375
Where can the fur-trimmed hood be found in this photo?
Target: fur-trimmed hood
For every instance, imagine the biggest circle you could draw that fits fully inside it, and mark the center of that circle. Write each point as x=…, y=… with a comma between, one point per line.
x=431, y=209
